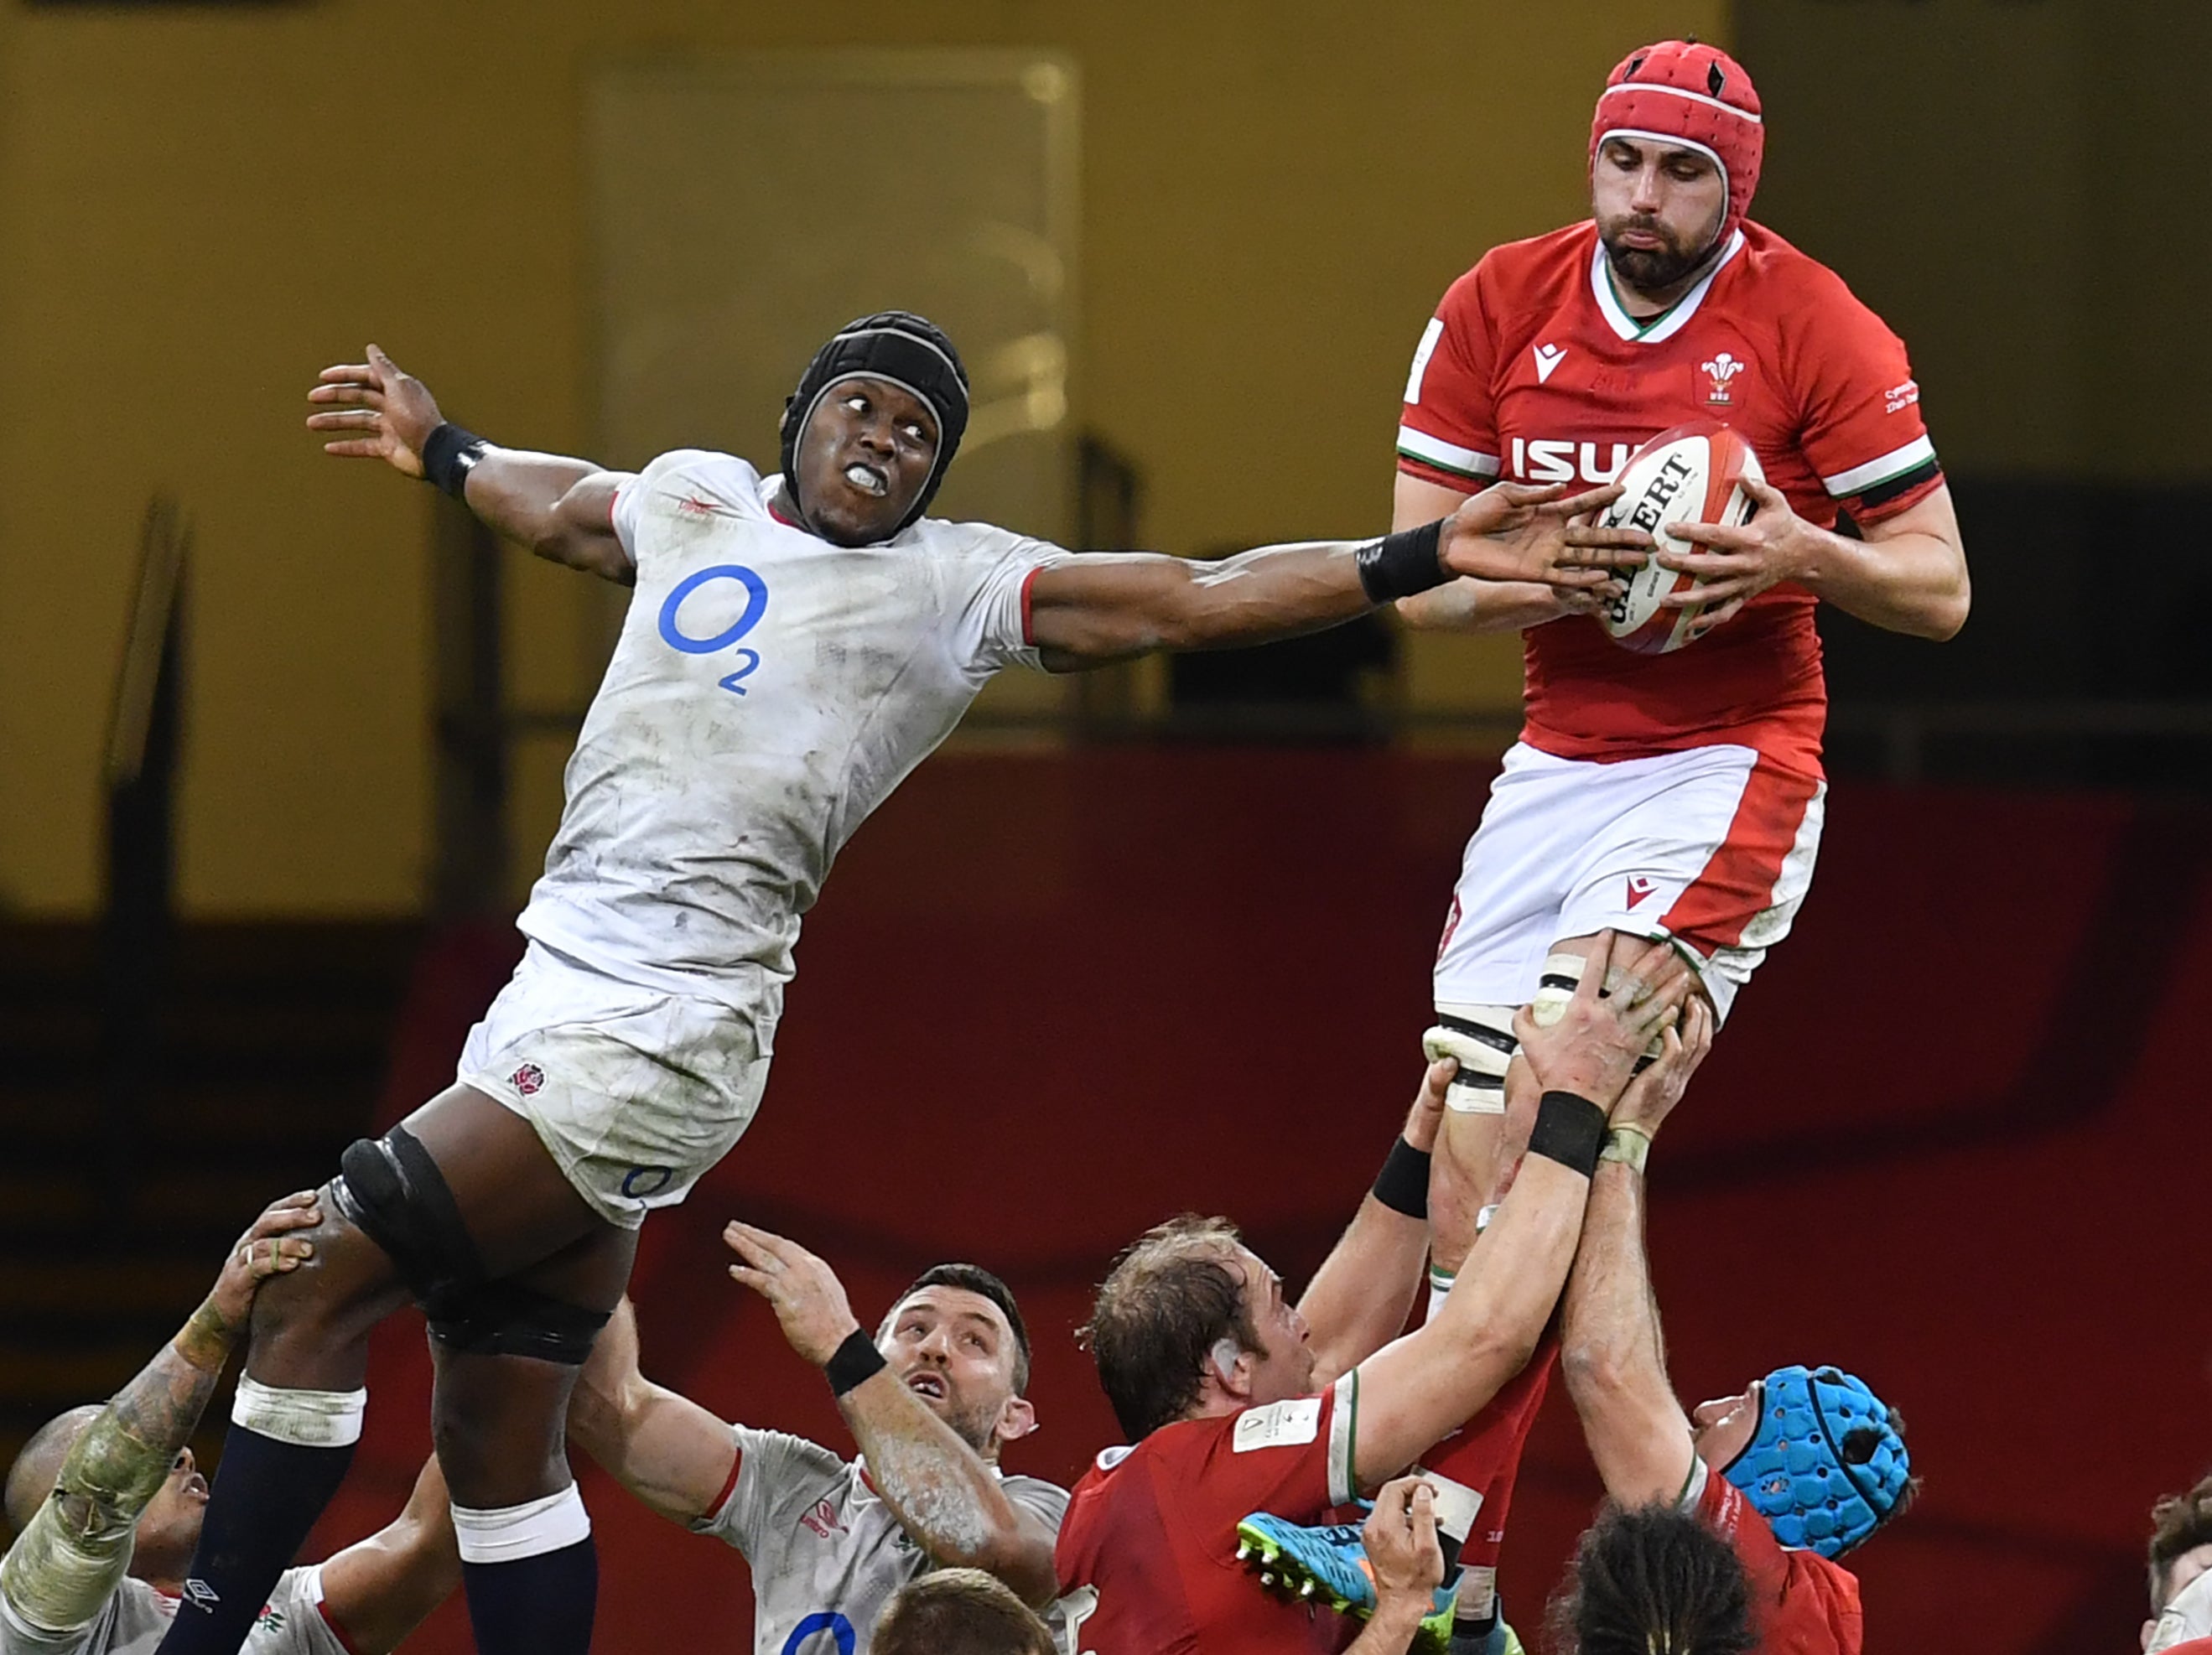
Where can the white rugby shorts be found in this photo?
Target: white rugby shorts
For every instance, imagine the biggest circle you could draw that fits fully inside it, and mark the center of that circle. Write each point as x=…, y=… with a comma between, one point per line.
x=634, y=1093
x=1712, y=846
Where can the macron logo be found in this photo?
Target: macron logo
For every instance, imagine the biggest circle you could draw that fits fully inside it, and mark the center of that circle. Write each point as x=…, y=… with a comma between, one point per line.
x=1547, y=358
x=1639, y=886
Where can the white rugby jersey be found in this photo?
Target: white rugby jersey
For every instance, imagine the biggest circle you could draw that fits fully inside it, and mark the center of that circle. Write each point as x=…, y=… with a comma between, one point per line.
x=768, y=692
x=826, y=1553
x=137, y=1617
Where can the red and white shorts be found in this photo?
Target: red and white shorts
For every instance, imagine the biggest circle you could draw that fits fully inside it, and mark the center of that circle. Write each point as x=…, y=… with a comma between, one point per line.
x=1712, y=846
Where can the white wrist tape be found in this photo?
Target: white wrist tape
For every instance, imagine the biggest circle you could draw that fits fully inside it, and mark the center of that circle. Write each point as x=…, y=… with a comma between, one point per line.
x=508, y=1534
x=1440, y=1282
x=1457, y=1505
x=307, y=1419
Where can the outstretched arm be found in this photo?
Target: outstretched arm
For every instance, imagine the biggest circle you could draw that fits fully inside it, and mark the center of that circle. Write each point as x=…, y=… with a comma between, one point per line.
x=1358, y=1299
x=1107, y=607
x=1611, y=1346
x=673, y=1455
x=381, y=1589
x=563, y=509
x=944, y=1493
x=73, y=1553
x=1421, y=1387
x=1469, y=605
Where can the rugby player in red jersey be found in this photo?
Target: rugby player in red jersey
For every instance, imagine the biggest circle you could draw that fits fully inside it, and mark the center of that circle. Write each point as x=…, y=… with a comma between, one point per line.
x=1676, y=795
x=1236, y=1403
x=1801, y=1467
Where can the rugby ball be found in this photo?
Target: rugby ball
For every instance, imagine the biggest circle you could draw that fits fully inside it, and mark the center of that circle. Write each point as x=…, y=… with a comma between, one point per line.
x=1694, y=473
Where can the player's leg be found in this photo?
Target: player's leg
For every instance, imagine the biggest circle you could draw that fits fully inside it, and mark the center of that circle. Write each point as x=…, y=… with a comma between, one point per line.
x=462, y=1189
x=507, y=1356
x=1505, y=908
x=1716, y=854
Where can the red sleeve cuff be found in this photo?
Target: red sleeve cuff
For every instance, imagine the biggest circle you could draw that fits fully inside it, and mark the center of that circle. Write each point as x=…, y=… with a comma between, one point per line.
x=323, y=1609
x=1029, y=626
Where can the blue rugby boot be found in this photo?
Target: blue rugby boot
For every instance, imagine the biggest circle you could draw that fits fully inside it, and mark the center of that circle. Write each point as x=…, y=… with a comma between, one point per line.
x=1326, y=1564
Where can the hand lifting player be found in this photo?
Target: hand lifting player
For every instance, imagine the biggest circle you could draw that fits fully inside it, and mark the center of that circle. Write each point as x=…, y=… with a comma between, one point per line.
x=794, y=645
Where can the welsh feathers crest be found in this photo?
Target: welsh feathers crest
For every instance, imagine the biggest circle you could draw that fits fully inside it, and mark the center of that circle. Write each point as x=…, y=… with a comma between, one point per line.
x=1720, y=370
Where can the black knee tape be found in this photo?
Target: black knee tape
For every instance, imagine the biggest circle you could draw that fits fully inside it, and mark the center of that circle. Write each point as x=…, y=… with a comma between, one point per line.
x=504, y=1318
x=392, y=1191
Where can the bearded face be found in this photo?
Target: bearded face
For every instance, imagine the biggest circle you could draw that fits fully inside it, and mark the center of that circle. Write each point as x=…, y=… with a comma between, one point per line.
x=1659, y=208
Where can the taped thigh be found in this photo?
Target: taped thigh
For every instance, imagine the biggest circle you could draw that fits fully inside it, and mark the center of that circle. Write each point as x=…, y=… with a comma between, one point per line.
x=391, y=1188
x=1481, y=1040
x=506, y=1318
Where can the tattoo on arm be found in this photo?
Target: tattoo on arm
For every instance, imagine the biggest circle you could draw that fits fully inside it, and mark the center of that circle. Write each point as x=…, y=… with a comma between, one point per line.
x=74, y=1552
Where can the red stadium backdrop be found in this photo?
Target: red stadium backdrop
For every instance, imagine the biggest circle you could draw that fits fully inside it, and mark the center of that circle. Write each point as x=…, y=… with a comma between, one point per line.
x=1952, y=1140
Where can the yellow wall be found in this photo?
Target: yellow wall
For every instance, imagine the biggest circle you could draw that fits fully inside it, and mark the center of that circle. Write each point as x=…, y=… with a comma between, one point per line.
x=199, y=209
x=2015, y=188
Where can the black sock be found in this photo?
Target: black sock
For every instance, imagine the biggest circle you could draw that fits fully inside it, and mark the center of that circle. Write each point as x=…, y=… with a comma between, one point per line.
x=267, y=1496
x=538, y=1605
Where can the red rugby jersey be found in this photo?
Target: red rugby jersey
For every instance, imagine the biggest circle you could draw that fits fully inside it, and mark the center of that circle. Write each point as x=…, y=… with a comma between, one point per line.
x=1148, y=1554
x=1531, y=371
x=1804, y=1603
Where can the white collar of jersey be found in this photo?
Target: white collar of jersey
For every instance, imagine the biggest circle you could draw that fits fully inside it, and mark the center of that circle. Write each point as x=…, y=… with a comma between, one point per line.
x=1675, y=319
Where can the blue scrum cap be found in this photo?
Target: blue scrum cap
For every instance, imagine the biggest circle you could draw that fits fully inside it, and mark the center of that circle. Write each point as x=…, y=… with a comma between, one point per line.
x=1827, y=1465
x=908, y=351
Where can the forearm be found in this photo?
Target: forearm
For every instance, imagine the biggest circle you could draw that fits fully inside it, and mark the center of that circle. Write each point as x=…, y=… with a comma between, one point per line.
x=1358, y=1299
x=1273, y=591
x=1390, y=1629
x=75, y=1550
x=1910, y=583
x=1467, y=605
x=1612, y=1349
x=943, y=1492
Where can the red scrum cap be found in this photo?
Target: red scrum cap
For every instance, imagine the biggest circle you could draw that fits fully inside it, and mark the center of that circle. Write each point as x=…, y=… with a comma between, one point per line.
x=1684, y=92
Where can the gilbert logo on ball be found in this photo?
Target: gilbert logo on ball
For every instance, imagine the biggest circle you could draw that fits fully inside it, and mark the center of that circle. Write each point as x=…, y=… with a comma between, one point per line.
x=1694, y=473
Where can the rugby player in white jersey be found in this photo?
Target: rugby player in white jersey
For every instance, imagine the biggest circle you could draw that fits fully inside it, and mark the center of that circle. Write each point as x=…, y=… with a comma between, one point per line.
x=795, y=645
x=105, y=1501
x=931, y=1397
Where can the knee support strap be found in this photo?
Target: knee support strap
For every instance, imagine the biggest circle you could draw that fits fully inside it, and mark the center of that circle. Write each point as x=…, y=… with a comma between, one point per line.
x=391, y=1190
x=1481, y=1040
x=504, y=1318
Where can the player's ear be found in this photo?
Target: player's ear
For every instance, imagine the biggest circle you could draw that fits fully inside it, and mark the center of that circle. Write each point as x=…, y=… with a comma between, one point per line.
x=1232, y=1367
x=1017, y=1419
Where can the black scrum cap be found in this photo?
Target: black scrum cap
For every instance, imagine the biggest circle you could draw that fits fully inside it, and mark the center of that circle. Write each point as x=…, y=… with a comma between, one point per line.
x=908, y=351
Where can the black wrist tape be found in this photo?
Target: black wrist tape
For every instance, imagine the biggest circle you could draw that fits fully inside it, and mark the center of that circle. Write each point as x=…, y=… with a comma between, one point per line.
x=1569, y=1130
x=1400, y=565
x=1402, y=1186
x=854, y=1361
x=449, y=454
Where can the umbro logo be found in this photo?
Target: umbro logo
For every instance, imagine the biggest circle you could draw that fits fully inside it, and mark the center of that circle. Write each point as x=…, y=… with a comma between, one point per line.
x=1639, y=886
x=1547, y=358
x=201, y=1596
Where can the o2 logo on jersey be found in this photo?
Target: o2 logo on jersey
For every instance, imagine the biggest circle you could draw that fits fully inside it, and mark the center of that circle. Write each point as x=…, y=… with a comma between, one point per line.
x=675, y=637
x=824, y=1621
